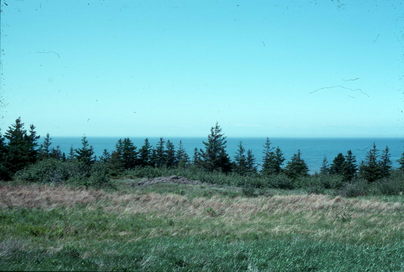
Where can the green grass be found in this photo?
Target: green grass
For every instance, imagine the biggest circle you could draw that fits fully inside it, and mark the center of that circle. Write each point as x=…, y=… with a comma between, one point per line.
x=168, y=227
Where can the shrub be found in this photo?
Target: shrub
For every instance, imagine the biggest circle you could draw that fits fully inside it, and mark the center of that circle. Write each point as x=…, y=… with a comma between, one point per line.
x=393, y=185
x=98, y=175
x=321, y=181
x=52, y=170
x=354, y=189
x=280, y=181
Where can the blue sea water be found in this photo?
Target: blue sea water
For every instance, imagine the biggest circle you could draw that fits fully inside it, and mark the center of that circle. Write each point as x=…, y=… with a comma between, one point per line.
x=313, y=149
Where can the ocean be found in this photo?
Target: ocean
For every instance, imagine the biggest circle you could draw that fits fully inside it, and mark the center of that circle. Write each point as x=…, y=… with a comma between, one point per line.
x=313, y=150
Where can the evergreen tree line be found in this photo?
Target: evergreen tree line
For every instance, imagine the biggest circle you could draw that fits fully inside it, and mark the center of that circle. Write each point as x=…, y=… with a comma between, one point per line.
x=20, y=148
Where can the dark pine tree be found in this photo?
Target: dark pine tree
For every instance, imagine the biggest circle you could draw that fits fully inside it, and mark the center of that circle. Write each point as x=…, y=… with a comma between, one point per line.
x=325, y=169
x=145, y=154
x=105, y=157
x=370, y=168
x=159, y=156
x=45, y=148
x=129, y=154
x=182, y=156
x=171, y=160
x=32, y=143
x=56, y=153
x=21, y=146
x=85, y=154
x=267, y=158
x=4, y=173
x=350, y=167
x=272, y=160
x=385, y=163
x=337, y=165
x=215, y=157
x=240, y=160
x=196, y=159
x=401, y=162
x=250, y=162
x=296, y=167
x=71, y=156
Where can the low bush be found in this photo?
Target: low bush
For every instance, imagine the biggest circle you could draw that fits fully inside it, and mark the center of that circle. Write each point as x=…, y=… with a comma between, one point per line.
x=51, y=170
x=356, y=188
x=56, y=171
x=393, y=185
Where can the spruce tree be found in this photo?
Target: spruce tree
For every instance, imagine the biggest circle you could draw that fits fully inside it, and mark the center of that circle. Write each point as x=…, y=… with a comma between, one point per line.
x=182, y=156
x=250, y=162
x=196, y=159
x=325, y=169
x=401, y=162
x=240, y=160
x=56, y=153
x=214, y=157
x=350, y=167
x=45, y=150
x=71, y=156
x=267, y=158
x=145, y=154
x=85, y=154
x=4, y=173
x=170, y=155
x=128, y=153
x=337, y=165
x=385, y=163
x=370, y=169
x=105, y=157
x=272, y=160
x=160, y=154
x=21, y=146
x=296, y=167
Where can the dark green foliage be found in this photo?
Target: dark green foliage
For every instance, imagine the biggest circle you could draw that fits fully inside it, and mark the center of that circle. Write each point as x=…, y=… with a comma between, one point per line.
x=85, y=154
x=98, y=175
x=385, y=163
x=52, y=170
x=393, y=185
x=145, y=154
x=182, y=156
x=4, y=172
x=250, y=162
x=214, y=157
x=159, y=154
x=296, y=167
x=21, y=146
x=196, y=159
x=401, y=162
x=280, y=181
x=240, y=161
x=357, y=188
x=337, y=166
x=71, y=156
x=45, y=150
x=171, y=159
x=325, y=169
x=273, y=160
x=105, y=157
x=320, y=182
x=127, y=153
x=370, y=168
x=350, y=167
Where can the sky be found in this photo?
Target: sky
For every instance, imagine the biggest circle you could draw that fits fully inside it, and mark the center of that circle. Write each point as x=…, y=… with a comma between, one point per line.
x=175, y=68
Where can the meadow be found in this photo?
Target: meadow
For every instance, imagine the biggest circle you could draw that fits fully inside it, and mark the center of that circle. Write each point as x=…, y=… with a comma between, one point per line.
x=202, y=227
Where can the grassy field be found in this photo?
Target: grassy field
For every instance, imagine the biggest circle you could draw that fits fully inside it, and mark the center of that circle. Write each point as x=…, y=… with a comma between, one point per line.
x=166, y=227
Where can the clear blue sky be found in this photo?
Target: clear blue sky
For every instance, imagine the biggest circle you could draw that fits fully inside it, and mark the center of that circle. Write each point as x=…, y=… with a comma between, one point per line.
x=174, y=68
